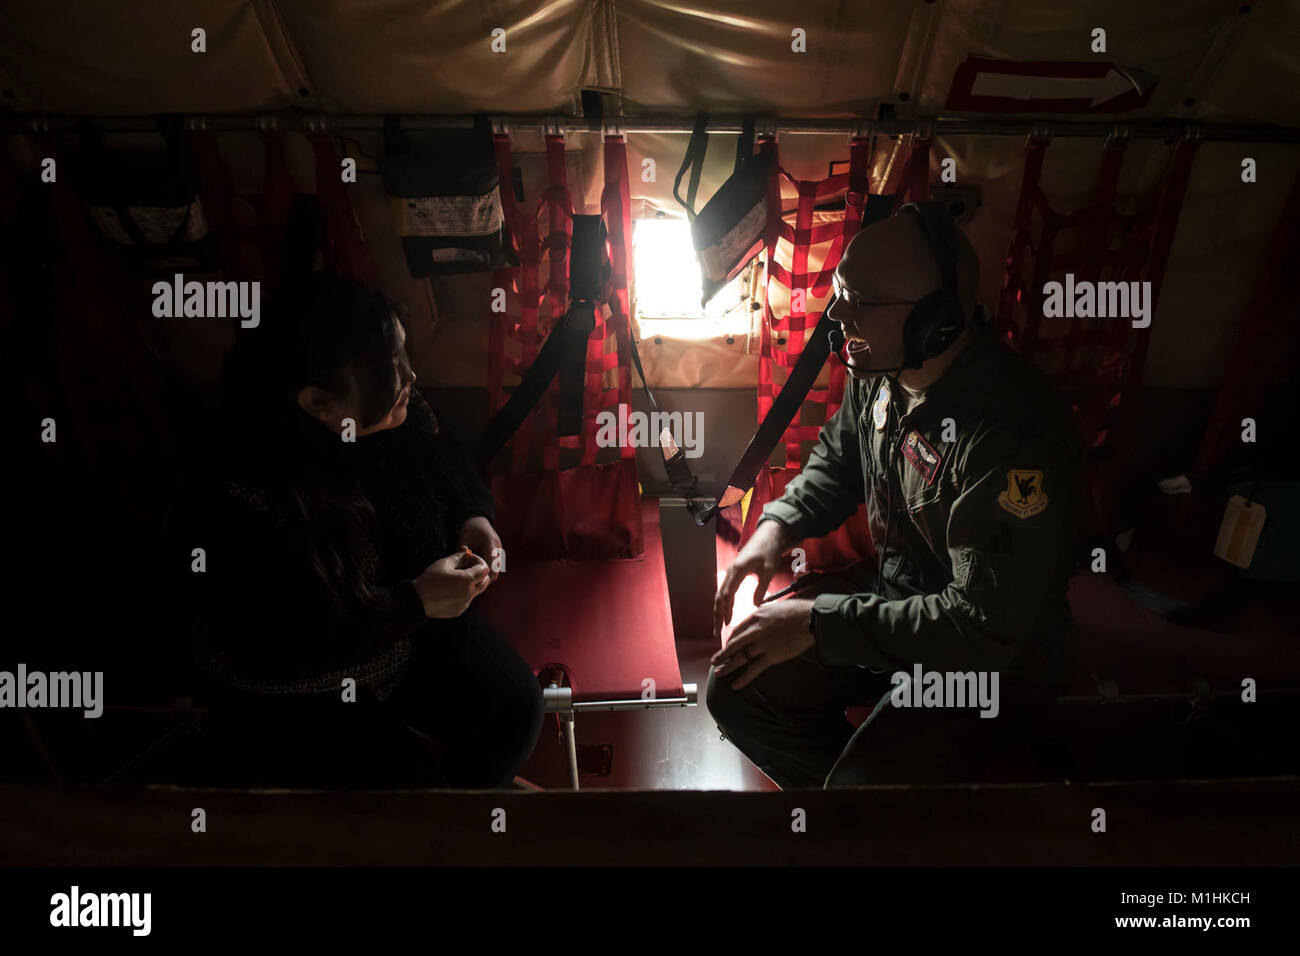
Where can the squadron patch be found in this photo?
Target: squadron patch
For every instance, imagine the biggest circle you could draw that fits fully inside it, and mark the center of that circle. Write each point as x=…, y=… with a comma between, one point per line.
x=922, y=455
x=1024, y=496
x=880, y=410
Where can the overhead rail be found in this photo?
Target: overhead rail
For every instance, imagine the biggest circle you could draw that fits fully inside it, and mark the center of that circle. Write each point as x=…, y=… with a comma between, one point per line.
x=1175, y=129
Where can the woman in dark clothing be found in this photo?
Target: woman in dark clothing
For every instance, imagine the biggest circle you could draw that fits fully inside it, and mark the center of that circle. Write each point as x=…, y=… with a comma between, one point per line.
x=328, y=560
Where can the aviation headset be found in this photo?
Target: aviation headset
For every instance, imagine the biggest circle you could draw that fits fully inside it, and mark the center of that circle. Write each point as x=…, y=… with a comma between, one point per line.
x=934, y=323
x=937, y=320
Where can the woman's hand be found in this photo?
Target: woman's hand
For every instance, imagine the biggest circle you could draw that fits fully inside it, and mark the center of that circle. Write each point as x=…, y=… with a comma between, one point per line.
x=479, y=536
x=447, y=586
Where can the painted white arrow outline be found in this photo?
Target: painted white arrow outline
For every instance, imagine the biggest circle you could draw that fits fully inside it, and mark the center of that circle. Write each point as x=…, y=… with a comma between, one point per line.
x=1095, y=89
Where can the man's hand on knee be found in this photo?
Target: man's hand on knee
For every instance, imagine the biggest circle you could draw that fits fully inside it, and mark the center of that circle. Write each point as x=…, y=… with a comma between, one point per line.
x=761, y=556
x=773, y=633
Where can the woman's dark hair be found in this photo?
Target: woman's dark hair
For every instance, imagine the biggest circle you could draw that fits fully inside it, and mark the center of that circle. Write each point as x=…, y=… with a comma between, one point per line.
x=340, y=335
x=323, y=330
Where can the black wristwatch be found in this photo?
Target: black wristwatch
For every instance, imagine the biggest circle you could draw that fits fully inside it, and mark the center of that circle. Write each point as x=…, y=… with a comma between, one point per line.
x=812, y=621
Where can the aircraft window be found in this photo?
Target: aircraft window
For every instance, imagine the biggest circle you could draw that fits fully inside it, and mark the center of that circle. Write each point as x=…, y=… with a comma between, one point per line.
x=667, y=280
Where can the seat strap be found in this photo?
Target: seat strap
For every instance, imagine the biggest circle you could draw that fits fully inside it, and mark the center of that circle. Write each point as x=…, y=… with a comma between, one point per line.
x=530, y=391
x=680, y=477
x=786, y=405
x=694, y=161
x=565, y=351
x=778, y=418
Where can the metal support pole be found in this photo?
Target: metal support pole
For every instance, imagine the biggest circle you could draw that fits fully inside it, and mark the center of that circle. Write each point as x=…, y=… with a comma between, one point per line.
x=689, y=698
x=559, y=700
x=570, y=747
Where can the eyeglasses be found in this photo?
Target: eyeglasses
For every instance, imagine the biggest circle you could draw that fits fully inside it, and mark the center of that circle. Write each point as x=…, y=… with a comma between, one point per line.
x=855, y=301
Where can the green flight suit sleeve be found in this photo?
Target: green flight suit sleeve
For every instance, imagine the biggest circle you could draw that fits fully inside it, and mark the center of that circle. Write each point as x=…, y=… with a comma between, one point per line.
x=1010, y=537
x=829, y=489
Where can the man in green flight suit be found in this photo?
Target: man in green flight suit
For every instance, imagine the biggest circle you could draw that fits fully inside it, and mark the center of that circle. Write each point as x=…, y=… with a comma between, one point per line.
x=972, y=474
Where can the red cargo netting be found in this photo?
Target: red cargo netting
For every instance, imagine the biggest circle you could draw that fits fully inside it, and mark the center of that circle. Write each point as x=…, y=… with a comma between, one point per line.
x=1095, y=362
x=579, y=507
x=250, y=230
x=792, y=329
x=604, y=625
x=782, y=338
x=1267, y=349
x=345, y=250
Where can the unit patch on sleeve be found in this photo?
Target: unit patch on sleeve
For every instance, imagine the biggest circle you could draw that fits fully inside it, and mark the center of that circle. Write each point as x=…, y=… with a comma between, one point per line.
x=1024, y=495
x=922, y=455
x=880, y=410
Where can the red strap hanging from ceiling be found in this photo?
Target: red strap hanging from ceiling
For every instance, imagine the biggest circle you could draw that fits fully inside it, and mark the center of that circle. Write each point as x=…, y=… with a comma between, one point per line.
x=1154, y=241
x=914, y=180
x=855, y=204
x=557, y=242
x=591, y=511
x=273, y=207
x=852, y=541
x=791, y=330
x=345, y=250
x=1089, y=263
x=1267, y=347
x=218, y=200
x=249, y=251
x=538, y=435
x=616, y=207
x=525, y=281
x=104, y=371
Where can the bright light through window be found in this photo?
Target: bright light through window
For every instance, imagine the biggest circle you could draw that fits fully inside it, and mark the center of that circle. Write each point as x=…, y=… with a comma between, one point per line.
x=668, y=286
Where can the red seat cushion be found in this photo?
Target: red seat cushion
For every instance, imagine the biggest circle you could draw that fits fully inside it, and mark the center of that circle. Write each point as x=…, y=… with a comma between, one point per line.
x=608, y=622
x=1145, y=653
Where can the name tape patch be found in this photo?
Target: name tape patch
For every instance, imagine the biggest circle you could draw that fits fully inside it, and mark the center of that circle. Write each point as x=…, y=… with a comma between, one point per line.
x=922, y=455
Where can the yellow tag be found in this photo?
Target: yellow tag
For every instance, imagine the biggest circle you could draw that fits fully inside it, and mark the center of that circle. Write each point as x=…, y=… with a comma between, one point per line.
x=744, y=506
x=1242, y=522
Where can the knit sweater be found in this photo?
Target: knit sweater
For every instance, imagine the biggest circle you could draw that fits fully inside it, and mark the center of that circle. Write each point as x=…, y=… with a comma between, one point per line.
x=265, y=622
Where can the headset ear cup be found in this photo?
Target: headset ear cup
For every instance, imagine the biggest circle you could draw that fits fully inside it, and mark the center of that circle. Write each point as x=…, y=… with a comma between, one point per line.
x=933, y=326
x=948, y=331
x=917, y=331
x=940, y=338
x=938, y=320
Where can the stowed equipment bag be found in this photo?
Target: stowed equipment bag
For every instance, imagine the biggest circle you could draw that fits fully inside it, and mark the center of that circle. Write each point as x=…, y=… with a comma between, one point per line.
x=148, y=206
x=731, y=228
x=446, y=200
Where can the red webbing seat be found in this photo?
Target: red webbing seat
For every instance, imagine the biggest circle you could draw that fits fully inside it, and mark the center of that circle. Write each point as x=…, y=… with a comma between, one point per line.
x=563, y=497
x=1120, y=640
x=1127, y=652
x=607, y=623
x=585, y=588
